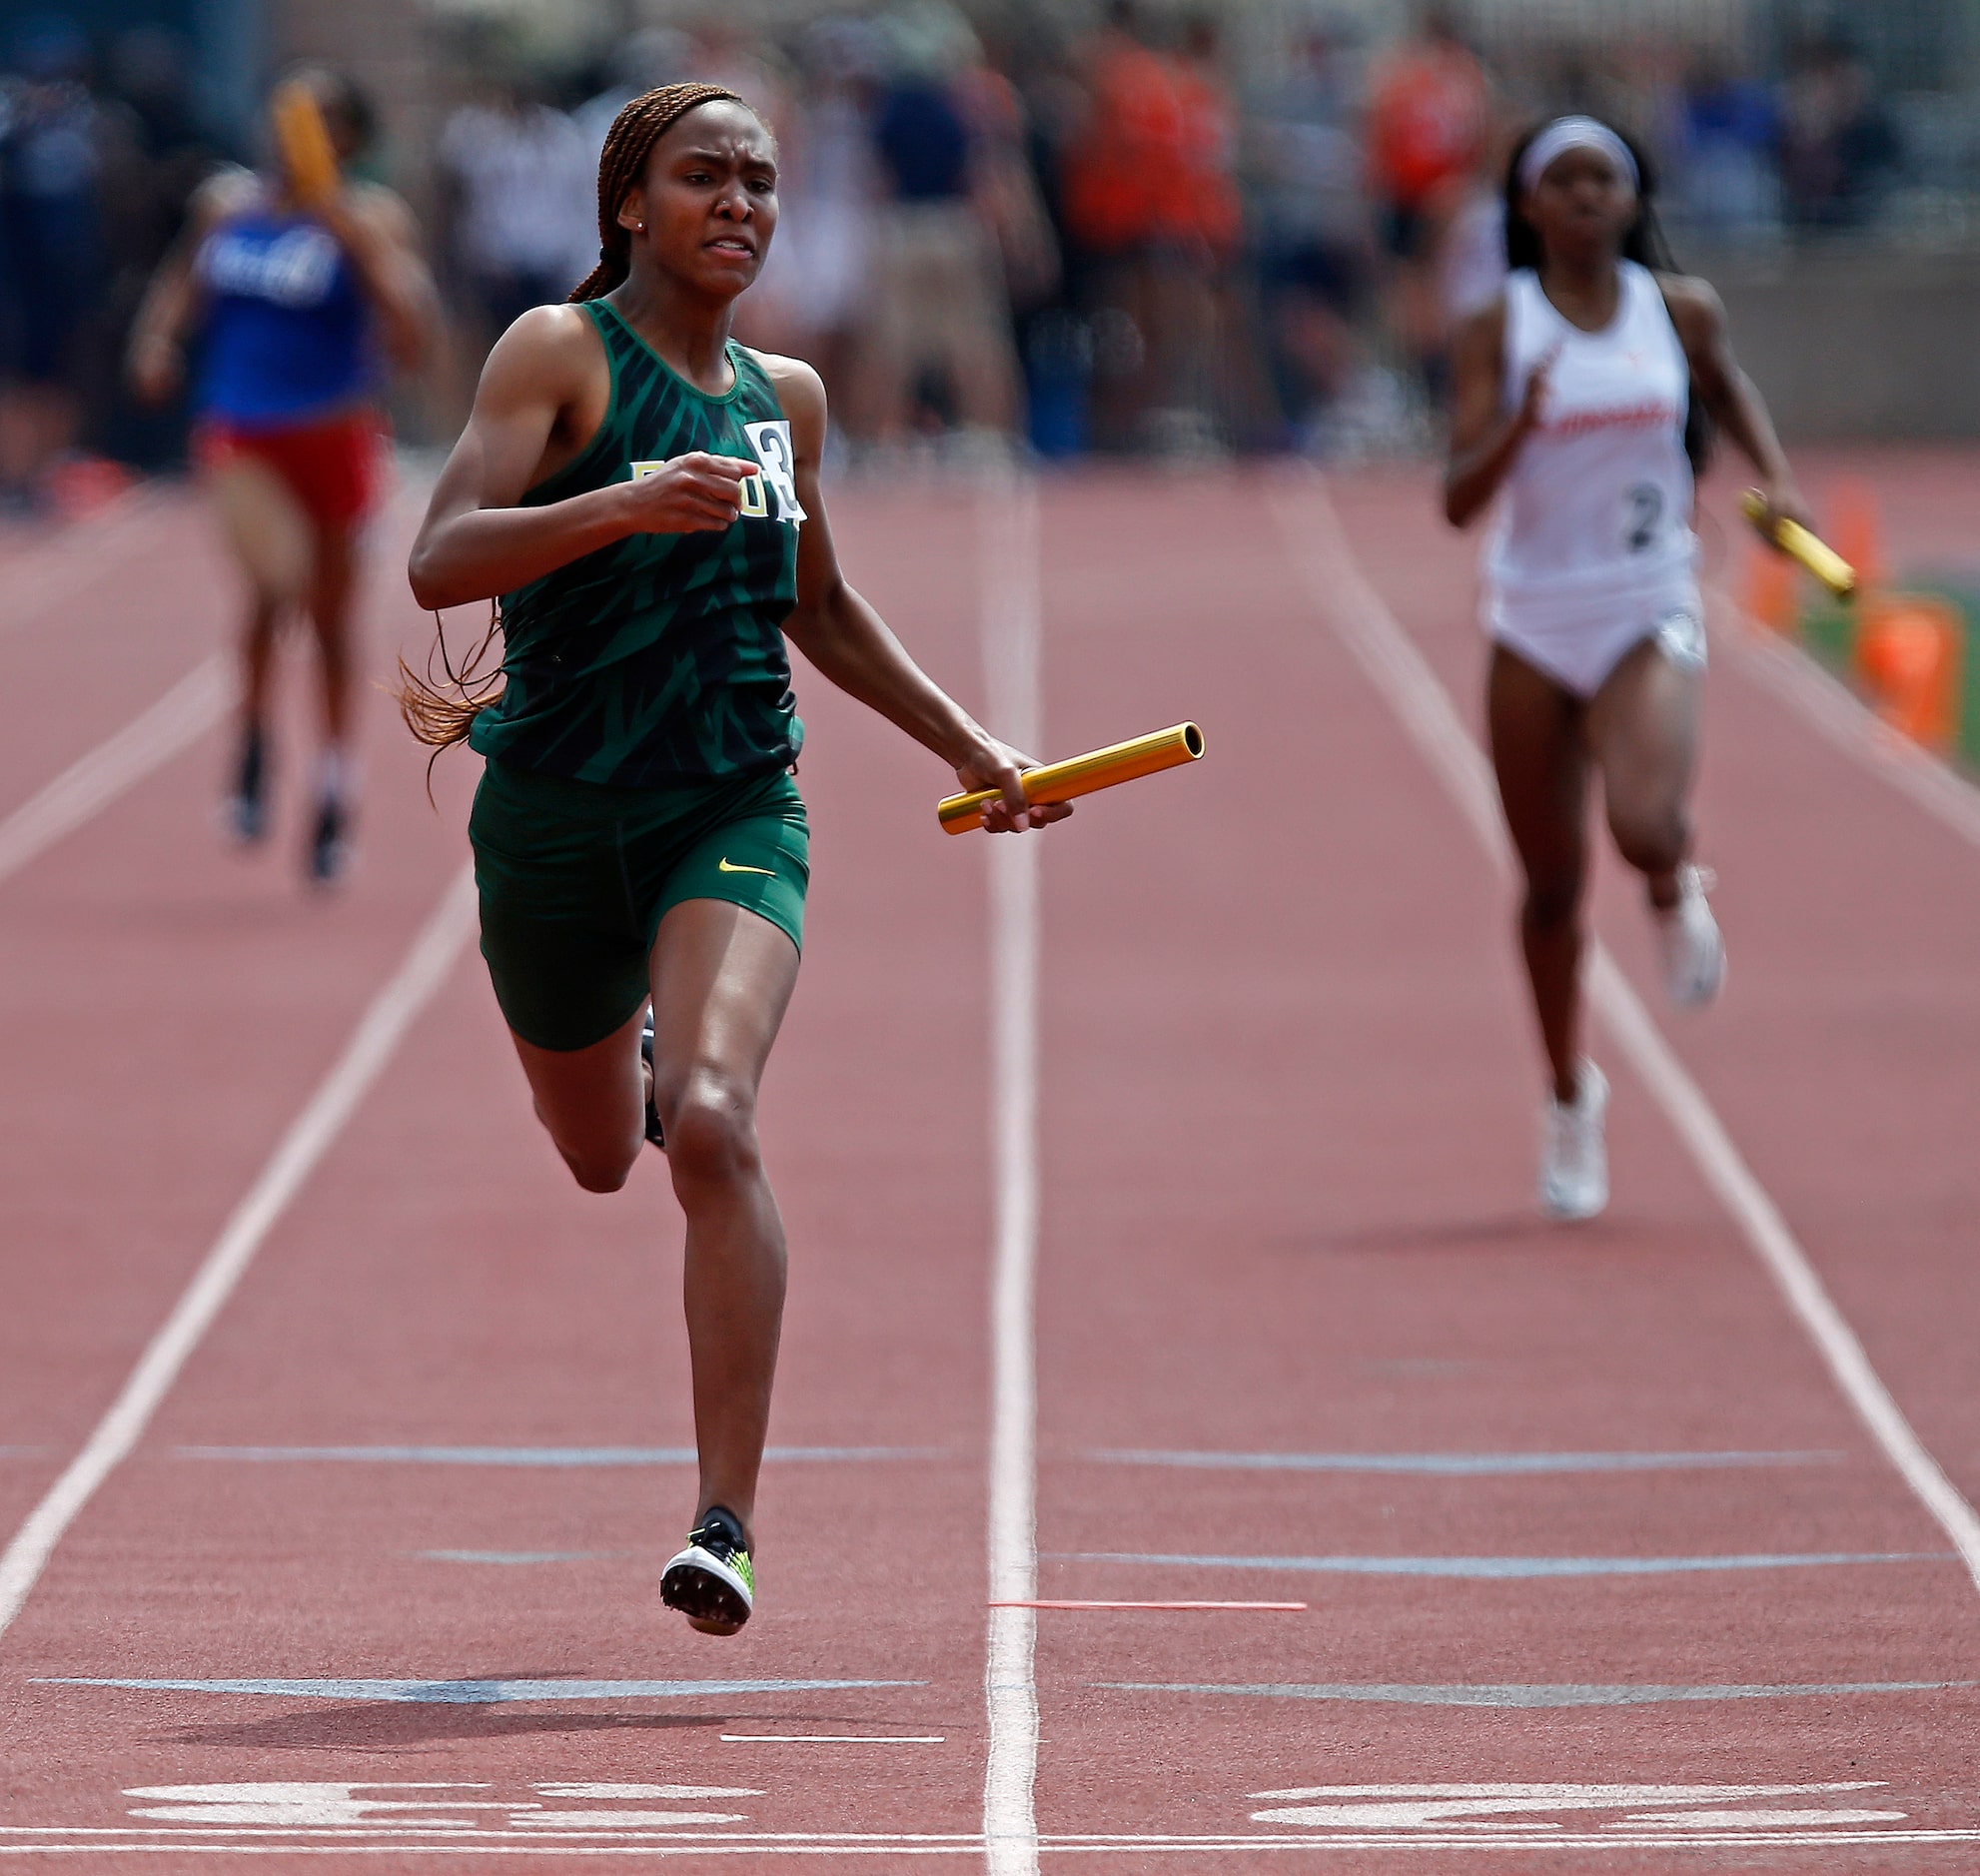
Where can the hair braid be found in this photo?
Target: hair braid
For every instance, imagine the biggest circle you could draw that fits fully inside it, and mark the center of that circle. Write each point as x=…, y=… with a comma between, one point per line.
x=628, y=142
x=440, y=713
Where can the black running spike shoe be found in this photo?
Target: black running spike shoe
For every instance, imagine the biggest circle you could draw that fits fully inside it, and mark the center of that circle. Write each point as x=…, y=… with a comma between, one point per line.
x=710, y=1582
x=654, y=1132
x=244, y=813
x=329, y=843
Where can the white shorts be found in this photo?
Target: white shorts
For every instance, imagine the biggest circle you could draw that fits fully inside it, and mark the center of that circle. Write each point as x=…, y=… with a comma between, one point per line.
x=1579, y=657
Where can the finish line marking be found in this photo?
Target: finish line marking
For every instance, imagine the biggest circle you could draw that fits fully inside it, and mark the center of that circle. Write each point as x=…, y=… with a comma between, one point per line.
x=378, y=1034
x=1288, y=1607
x=1011, y=624
x=1318, y=553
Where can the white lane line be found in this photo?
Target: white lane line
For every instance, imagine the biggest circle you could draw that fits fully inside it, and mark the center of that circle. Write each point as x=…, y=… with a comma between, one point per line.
x=835, y=1739
x=1837, y=714
x=1011, y=628
x=77, y=556
x=378, y=1034
x=176, y=721
x=455, y=1842
x=1320, y=551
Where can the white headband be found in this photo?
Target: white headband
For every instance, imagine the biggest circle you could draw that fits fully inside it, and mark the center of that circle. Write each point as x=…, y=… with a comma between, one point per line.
x=1576, y=133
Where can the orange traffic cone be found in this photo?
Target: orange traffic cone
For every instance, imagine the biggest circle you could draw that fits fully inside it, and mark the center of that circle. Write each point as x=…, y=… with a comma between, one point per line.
x=1909, y=648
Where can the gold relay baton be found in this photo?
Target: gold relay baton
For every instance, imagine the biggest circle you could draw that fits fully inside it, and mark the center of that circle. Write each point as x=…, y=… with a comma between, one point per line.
x=1082, y=774
x=1798, y=544
x=306, y=152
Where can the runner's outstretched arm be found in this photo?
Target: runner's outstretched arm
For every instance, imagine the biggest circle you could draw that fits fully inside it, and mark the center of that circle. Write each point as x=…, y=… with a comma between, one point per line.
x=848, y=641
x=1732, y=399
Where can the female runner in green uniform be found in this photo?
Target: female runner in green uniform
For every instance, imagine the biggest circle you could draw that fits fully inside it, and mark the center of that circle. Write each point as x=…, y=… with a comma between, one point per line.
x=643, y=495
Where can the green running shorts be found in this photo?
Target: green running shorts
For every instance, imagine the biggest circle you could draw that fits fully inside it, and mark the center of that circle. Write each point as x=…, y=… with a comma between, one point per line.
x=576, y=877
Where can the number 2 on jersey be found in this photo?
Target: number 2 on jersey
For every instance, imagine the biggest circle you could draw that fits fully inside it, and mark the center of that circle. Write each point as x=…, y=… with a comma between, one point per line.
x=1646, y=501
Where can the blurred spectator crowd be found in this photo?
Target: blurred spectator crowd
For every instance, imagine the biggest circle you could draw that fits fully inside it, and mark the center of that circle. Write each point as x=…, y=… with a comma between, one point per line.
x=1100, y=229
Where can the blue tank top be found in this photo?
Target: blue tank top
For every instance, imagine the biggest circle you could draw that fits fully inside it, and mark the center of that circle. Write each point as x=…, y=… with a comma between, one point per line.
x=289, y=334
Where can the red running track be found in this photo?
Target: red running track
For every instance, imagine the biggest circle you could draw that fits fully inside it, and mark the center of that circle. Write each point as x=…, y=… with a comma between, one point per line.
x=1580, y=1516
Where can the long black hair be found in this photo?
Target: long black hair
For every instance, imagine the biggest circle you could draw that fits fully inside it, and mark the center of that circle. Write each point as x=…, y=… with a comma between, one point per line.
x=1644, y=242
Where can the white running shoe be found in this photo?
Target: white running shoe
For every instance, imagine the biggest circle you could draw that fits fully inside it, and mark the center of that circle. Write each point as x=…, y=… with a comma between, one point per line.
x=1694, y=950
x=1573, y=1157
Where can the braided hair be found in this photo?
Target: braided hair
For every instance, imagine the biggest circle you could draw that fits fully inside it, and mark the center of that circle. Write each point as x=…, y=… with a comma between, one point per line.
x=629, y=142
x=440, y=711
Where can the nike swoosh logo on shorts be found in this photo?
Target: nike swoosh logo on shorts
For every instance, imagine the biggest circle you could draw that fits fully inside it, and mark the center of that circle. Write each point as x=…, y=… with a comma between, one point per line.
x=727, y=866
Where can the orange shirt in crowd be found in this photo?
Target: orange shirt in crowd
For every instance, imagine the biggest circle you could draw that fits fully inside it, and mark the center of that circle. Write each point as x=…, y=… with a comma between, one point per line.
x=1205, y=205
x=1157, y=156
x=1125, y=173
x=1425, y=121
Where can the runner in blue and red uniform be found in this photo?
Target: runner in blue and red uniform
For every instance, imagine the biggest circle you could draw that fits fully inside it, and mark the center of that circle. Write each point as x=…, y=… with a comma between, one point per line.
x=297, y=307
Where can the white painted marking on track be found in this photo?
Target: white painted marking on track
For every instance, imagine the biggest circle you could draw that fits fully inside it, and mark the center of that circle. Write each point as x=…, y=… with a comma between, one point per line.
x=1318, y=551
x=378, y=1034
x=1012, y=626
x=595, y=1794
x=464, y=1693
x=298, y=1804
x=833, y=1739
x=1522, y=1811
x=314, y=1806
x=441, y=1841
x=151, y=740
x=625, y=1820
x=1287, y=1608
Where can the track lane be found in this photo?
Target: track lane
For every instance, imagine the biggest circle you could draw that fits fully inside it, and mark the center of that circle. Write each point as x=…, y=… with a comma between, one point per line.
x=1371, y=1042
x=1843, y=1056
x=1288, y=1212
x=168, y=1004
x=100, y=621
x=441, y=1284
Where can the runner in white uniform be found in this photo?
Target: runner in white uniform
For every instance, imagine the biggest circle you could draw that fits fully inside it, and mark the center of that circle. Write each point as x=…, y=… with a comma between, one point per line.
x=1572, y=398
x=1593, y=550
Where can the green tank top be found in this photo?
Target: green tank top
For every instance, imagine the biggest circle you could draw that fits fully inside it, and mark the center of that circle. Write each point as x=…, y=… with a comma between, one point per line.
x=659, y=659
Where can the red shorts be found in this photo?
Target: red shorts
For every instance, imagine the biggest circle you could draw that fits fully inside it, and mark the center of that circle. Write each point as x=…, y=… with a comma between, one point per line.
x=336, y=467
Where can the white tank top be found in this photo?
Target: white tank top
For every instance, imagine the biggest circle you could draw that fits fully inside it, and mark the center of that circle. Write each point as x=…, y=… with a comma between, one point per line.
x=1595, y=518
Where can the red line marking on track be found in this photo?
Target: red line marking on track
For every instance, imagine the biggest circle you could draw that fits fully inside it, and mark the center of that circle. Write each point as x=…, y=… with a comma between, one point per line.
x=1288, y=1607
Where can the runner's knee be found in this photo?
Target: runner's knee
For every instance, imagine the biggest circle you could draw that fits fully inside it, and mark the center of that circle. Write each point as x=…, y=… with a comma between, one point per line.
x=1652, y=840
x=597, y=1165
x=710, y=1125
x=601, y=1176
